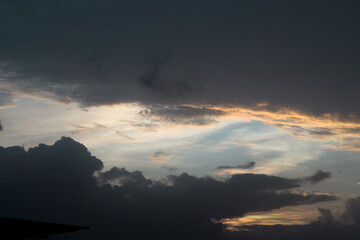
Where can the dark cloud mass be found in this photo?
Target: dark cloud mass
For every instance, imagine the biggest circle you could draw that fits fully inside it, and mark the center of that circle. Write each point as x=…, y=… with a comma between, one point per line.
x=326, y=216
x=182, y=115
x=317, y=177
x=352, y=212
x=63, y=183
x=248, y=165
x=300, y=54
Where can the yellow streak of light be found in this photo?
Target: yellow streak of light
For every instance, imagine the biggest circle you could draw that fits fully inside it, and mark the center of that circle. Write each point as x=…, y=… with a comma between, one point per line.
x=338, y=133
x=285, y=216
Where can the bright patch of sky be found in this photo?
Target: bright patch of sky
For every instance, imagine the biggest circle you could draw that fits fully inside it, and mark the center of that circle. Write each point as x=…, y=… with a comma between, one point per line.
x=119, y=136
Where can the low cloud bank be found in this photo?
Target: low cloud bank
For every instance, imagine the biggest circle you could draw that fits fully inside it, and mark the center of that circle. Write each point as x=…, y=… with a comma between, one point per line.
x=64, y=183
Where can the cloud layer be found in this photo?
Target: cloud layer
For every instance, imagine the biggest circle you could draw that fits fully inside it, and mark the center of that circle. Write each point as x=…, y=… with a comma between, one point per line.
x=301, y=55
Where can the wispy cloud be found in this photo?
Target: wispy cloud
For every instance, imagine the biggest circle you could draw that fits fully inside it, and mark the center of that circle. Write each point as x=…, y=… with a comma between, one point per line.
x=125, y=136
x=160, y=156
x=169, y=168
x=317, y=177
x=78, y=129
x=334, y=131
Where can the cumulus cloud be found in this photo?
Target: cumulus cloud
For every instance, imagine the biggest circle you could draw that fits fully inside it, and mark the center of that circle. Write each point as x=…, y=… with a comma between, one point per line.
x=248, y=165
x=64, y=183
x=326, y=216
x=351, y=214
x=122, y=177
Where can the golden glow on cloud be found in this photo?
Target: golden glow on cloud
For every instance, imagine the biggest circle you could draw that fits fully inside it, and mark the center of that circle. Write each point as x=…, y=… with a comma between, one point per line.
x=112, y=132
x=330, y=129
x=306, y=193
x=284, y=216
x=7, y=106
x=264, y=169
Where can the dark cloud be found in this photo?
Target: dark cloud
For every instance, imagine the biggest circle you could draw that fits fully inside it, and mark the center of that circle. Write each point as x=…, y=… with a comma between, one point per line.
x=63, y=183
x=317, y=177
x=248, y=165
x=326, y=216
x=299, y=54
x=1, y=127
x=182, y=115
x=352, y=211
x=151, y=80
x=122, y=177
x=152, y=116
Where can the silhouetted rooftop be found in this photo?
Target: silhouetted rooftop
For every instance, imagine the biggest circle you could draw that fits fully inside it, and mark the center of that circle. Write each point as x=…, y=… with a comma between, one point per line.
x=21, y=229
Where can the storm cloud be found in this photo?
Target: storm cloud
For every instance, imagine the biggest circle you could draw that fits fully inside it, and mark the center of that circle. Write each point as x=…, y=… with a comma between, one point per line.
x=302, y=55
x=65, y=183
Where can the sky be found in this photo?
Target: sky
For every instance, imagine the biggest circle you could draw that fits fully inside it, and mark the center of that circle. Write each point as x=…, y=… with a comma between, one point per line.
x=183, y=119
